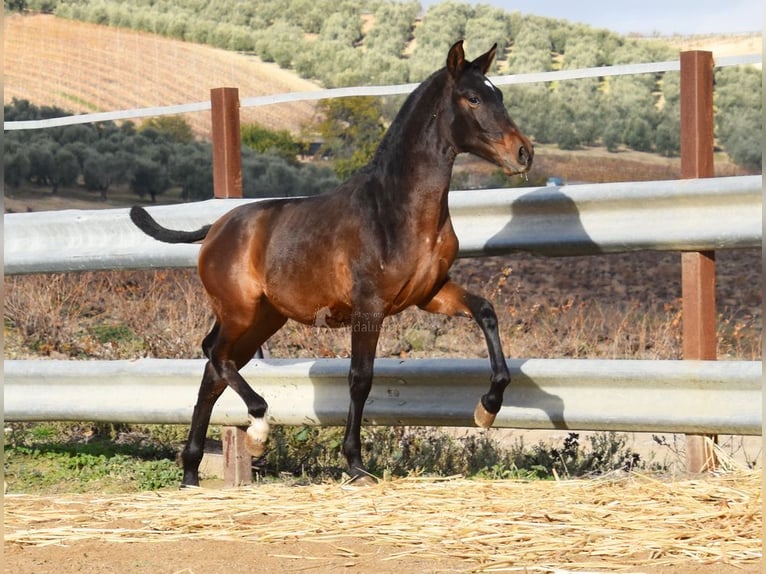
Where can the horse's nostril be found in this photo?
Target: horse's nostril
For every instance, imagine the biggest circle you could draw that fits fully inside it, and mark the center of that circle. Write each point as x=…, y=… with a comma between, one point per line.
x=524, y=156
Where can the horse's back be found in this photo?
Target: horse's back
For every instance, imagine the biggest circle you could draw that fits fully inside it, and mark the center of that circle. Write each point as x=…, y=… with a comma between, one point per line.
x=295, y=252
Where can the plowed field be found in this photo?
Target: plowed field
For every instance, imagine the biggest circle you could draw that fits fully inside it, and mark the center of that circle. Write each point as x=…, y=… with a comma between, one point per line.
x=89, y=68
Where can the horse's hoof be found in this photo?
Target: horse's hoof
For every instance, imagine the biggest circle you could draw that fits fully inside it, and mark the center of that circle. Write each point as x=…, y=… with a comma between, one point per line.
x=362, y=480
x=257, y=436
x=483, y=417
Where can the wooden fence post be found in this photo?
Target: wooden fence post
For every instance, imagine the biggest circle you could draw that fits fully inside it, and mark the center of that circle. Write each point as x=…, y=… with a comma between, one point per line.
x=227, y=183
x=237, y=462
x=227, y=153
x=698, y=268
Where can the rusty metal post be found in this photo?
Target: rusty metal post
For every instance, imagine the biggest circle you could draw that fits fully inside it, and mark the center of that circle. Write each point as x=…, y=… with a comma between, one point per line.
x=227, y=183
x=227, y=153
x=698, y=268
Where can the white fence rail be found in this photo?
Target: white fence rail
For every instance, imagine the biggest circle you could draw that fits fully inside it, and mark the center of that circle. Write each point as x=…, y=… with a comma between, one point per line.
x=625, y=395
x=506, y=80
x=678, y=215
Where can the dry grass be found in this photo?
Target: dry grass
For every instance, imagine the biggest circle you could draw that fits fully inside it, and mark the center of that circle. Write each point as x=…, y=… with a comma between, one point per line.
x=111, y=315
x=584, y=307
x=597, y=165
x=88, y=68
x=611, y=524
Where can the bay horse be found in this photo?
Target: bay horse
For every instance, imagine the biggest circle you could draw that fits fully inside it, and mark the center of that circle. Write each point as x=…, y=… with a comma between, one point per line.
x=378, y=244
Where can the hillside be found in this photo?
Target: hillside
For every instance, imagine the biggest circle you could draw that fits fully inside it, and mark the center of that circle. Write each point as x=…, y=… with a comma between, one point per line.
x=721, y=45
x=88, y=68
x=71, y=64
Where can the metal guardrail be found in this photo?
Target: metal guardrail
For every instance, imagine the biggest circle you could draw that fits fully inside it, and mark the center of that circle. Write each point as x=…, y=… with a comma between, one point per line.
x=705, y=397
x=677, y=215
x=695, y=397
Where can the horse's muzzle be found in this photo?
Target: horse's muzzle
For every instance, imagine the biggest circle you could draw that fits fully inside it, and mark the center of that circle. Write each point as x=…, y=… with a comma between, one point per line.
x=521, y=163
x=525, y=157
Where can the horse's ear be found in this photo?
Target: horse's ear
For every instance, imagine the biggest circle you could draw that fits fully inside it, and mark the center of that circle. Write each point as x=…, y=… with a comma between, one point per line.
x=484, y=61
x=456, y=59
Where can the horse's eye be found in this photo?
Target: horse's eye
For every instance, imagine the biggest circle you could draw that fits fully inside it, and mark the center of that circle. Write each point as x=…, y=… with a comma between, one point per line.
x=474, y=100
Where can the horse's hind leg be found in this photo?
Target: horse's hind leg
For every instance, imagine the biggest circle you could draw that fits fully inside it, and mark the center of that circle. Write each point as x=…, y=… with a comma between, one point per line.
x=229, y=346
x=258, y=427
x=452, y=300
x=210, y=389
x=233, y=349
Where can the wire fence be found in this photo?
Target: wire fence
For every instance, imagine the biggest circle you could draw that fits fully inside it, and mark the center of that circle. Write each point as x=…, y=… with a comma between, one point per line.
x=400, y=89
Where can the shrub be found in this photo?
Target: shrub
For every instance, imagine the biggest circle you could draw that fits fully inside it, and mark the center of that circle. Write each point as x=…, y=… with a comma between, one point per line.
x=313, y=453
x=274, y=142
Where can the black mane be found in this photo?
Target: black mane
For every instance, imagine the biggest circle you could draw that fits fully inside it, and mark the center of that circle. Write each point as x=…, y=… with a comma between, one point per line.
x=430, y=89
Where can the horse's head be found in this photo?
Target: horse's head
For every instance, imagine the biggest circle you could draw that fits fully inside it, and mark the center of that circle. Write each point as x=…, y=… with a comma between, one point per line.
x=481, y=124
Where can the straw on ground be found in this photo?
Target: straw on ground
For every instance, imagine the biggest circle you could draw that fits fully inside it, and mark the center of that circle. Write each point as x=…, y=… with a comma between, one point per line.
x=614, y=522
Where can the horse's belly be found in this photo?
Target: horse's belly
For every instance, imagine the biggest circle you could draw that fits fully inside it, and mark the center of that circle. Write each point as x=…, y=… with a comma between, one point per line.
x=317, y=295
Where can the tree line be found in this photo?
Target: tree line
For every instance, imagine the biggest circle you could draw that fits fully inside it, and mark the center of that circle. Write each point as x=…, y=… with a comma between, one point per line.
x=150, y=159
x=342, y=42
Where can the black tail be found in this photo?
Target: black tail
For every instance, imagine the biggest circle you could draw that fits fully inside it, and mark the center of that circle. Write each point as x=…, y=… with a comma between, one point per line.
x=148, y=225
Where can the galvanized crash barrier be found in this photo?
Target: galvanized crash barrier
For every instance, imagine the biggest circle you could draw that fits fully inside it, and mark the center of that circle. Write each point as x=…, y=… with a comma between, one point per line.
x=675, y=215
x=623, y=395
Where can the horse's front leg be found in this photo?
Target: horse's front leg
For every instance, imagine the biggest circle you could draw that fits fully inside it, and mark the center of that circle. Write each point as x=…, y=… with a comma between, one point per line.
x=453, y=300
x=364, y=340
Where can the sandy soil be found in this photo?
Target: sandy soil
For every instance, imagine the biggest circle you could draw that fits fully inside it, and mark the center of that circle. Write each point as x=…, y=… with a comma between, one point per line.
x=721, y=46
x=627, y=523
x=213, y=557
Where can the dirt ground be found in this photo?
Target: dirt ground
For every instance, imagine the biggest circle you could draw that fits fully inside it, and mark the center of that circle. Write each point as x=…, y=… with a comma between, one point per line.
x=216, y=557
x=709, y=524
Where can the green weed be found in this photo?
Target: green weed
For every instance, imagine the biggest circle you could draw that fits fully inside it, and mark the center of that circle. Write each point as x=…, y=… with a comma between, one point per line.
x=59, y=457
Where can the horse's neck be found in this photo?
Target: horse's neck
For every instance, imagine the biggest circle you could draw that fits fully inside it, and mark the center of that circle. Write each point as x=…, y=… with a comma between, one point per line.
x=414, y=185
x=415, y=159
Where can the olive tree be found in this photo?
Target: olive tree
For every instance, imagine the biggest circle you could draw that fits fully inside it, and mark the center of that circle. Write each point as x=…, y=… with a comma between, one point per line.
x=739, y=117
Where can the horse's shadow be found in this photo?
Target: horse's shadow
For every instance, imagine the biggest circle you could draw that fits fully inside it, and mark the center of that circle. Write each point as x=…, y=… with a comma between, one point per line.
x=523, y=393
x=536, y=218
